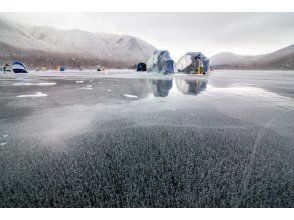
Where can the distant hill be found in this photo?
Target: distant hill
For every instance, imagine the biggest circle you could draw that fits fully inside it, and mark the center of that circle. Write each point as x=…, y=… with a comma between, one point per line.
x=39, y=46
x=282, y=59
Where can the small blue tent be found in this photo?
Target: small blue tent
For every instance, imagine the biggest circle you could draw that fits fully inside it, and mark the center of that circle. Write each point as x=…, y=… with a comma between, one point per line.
x=141, y=67
x=193, y=62
x=160, y=62
x=18, y=67
x=62, y=68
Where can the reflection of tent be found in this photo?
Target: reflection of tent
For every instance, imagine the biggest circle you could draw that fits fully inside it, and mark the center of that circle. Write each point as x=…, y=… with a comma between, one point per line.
x=160, y=62
x=191, y=87
x=161, y=88
x=193, y=62
x=141, y=67
x=62, y=68
x=19, y=67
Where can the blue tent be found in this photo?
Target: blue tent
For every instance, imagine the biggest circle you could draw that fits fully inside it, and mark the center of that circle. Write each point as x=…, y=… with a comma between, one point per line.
x=18, y=67
x=141, y=67
x=160, y=62
x=62, y=68
x=193, y=62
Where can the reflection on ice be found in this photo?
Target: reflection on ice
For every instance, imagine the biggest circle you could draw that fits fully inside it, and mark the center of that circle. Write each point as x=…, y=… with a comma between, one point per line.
x=190, y=87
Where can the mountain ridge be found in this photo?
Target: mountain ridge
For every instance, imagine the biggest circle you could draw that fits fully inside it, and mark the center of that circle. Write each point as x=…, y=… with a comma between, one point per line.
x=60, y=47
x=281, y=59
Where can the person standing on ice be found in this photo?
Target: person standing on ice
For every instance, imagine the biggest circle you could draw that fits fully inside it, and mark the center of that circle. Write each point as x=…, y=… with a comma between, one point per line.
x=4, y=68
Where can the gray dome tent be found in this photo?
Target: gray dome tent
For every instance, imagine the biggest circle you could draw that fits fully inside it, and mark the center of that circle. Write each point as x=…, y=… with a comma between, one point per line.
x=160, y=62
x=193, y=62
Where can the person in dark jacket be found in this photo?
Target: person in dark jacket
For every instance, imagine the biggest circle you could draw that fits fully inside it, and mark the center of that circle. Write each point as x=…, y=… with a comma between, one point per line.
x=5, y=67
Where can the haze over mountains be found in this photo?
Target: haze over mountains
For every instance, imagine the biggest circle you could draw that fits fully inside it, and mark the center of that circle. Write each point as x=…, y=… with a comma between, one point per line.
x=39, y=46
x=282, y=59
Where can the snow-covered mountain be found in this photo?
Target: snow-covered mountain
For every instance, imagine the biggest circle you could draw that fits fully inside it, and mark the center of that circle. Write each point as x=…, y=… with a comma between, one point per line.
x=45, y=46
x=280, y=59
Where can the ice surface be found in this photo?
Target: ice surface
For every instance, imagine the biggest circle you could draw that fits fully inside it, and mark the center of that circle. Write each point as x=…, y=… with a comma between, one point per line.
x=155, y=141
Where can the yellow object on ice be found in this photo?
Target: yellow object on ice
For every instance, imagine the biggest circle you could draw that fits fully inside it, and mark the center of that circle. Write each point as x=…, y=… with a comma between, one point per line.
x=199, y=70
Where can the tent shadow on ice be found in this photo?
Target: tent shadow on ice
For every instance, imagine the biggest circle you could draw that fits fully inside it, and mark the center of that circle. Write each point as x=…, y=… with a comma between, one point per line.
x=160, y=87
x=191, y=87
x=160, y=62
x=18, y=67
x=193, y=62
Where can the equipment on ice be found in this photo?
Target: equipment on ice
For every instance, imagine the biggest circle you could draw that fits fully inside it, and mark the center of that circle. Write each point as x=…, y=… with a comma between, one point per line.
x=62, y=69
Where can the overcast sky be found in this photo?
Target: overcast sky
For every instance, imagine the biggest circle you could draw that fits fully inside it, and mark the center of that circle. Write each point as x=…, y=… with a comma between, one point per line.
x=241, y=33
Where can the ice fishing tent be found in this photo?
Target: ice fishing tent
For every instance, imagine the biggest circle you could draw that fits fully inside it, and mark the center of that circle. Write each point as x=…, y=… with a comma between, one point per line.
x=18, y=67
x=61, y=68
x=160, y=62
x=193, y=62
x=141, y=67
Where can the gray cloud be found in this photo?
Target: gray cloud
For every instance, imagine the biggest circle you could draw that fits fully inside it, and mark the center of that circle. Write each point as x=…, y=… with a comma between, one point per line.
x=242, y=33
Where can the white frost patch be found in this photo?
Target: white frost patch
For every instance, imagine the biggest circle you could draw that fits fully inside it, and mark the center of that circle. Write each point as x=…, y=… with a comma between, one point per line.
x=46, y=84
x=109, y=90
x=38, y=94
x=81, y=81
x=130, y=96
x=34, y=84
x=87, y=87
x=5, y=135
x=2, y=144
x=23, y=84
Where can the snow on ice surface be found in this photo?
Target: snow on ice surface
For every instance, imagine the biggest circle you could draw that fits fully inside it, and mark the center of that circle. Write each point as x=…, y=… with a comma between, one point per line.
x=80, y=81
x=46, y=84
x=38, y=94
x=87, y=87
x=2, y=144
x=34, y=84
x=130, y=96
x=23, y=84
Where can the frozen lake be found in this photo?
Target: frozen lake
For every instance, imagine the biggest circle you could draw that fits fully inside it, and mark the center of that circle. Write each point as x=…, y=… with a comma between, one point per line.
x=127, y=139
